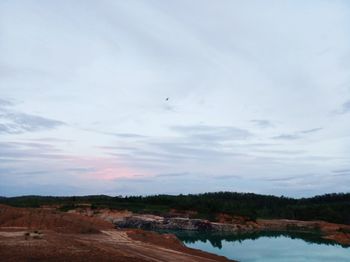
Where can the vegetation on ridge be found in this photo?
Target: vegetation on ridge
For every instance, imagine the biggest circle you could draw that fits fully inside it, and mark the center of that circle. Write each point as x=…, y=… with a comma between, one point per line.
x=330, y=207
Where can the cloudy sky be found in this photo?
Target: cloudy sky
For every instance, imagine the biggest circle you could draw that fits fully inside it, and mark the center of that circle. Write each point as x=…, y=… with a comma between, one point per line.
x=259, y=97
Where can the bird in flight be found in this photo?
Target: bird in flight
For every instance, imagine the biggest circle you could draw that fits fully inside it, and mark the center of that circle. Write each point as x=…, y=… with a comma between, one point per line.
x=167, y=99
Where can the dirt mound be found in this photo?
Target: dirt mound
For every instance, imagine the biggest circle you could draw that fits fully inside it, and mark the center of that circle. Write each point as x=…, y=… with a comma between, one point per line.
x=40, y=218
x=172, y=242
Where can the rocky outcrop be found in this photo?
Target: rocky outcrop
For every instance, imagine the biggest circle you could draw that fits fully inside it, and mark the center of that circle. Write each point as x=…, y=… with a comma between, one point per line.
x=155, y=222
x=338, y=233
x=177, y=223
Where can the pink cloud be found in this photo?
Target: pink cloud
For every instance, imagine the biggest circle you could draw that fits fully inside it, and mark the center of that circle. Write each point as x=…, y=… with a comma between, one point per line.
x=106, y=168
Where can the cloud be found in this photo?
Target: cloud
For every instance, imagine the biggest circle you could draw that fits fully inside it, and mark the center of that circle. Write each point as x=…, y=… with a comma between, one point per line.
x=169, y=175
x=313, y=130
x=262, y=123
x=191, y=150
x=227, y=177
x=13, y=122
x=241, y=72
x=51, y=139
x=281, y=152
x=342, y=174
x=129, y=135
x=5, y=103
x=136, y=180
x=297, y=135
x=34, y=164
x=23, y=151
x=119, y=135
x=33, y=188
x=287, y=179
x=212, y=133
x=286, y=137
x=345, y=108
x=347, y=170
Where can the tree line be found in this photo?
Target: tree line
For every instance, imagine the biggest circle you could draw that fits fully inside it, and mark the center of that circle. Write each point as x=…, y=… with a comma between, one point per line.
x=329, y=207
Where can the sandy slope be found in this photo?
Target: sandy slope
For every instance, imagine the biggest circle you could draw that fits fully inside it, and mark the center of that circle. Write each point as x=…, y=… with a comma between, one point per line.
x=48, y=235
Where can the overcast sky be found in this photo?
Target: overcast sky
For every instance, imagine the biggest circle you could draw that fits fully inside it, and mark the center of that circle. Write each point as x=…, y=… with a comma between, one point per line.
x=259, y=97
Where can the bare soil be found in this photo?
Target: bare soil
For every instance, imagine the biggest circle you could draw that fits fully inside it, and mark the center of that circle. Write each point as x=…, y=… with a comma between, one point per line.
x=49, y=235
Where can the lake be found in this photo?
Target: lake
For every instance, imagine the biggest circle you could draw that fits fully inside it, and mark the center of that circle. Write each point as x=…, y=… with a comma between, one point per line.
x=267, y=246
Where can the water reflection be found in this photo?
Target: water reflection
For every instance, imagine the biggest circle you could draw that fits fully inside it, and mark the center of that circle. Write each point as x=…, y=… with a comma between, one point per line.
x=267, y=246
x=216, y=239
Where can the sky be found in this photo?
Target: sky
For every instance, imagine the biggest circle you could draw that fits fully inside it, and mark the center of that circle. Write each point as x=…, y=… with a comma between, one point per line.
x=258, y=97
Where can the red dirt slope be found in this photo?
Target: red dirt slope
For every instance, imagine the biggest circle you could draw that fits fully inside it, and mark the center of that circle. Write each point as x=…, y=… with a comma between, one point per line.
x=47, y=235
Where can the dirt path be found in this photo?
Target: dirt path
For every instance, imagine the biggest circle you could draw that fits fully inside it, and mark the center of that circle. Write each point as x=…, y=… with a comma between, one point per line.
x=152, y=252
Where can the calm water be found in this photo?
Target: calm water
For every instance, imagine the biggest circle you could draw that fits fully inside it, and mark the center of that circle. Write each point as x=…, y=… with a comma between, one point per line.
x=268, y=247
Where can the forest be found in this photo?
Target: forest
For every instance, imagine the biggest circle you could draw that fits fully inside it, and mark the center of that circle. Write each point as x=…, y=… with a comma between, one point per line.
x=329, y=207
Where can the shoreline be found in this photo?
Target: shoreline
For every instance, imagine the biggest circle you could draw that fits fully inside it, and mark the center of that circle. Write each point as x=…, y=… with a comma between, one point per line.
x=338, y=233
